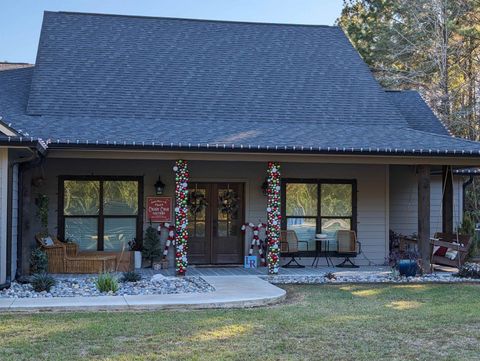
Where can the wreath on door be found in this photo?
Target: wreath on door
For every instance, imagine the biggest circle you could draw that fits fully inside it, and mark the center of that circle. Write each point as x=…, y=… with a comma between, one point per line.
x=228, y=202
x=197, y=202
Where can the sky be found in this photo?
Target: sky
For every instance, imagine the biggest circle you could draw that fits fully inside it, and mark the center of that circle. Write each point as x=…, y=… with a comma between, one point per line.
x=21, y=20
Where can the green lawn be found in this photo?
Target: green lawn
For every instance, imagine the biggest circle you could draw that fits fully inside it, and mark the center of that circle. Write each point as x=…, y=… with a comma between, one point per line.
x=409, y=322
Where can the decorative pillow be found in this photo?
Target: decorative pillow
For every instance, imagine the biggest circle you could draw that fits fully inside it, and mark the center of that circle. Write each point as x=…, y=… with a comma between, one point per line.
x=451, y=254
x=440, y=251
x=48, y=241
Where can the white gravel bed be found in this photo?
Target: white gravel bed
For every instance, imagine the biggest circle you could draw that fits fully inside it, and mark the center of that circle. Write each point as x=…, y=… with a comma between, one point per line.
x=85, y=286
x=367, y=277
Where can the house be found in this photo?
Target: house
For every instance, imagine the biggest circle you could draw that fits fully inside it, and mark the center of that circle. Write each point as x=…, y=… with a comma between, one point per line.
x=113, y=104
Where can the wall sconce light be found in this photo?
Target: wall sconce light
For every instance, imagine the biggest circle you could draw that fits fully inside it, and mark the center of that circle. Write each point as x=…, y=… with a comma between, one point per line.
x=159, y=187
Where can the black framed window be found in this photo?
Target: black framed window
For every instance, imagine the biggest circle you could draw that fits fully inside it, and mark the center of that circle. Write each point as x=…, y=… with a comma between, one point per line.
x=100, y=213
x=311, y=206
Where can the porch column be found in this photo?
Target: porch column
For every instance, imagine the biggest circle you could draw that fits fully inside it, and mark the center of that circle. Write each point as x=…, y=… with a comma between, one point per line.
x=423, y=176
x=447, y=200
x=273, y=217
x=3, y=213
x=181, y=220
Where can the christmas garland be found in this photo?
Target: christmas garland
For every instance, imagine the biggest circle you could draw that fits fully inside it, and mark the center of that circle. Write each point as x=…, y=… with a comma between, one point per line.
x=197, y=202
x=228, y=201
x=273, y=217
x=181, y=220
x=170, y=236
x=256, y=241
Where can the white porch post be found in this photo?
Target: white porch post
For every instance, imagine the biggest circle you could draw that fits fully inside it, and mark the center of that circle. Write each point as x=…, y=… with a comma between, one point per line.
x=273, y=217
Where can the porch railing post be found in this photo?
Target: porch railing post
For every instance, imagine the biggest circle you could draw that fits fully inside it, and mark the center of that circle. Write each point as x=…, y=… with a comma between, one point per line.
x=273, y=217
x=181, y=220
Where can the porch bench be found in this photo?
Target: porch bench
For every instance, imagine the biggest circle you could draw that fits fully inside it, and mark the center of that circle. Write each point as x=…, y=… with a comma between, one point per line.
x=64, y=258
x=459, y=243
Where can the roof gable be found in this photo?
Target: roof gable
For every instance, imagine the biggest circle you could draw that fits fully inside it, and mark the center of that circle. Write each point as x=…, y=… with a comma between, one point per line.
x=166, y=69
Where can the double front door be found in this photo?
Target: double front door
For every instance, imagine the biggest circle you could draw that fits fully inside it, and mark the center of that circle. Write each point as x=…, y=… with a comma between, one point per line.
x=215, y=217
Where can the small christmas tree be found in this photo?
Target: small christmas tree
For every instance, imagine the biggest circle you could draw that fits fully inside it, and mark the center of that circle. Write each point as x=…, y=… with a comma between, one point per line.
x=151, y=245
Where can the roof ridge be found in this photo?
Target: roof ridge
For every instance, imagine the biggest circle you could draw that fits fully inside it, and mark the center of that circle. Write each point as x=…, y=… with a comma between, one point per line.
x=193, y=19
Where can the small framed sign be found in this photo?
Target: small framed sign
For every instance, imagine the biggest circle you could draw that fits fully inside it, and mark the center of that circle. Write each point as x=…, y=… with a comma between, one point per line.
x=159, y=209
x=250, y=262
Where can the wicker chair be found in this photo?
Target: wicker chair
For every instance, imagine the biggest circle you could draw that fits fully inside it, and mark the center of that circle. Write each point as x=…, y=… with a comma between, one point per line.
x=65, y=258
x=459, y=243
x=289, y=246
x=347, y=246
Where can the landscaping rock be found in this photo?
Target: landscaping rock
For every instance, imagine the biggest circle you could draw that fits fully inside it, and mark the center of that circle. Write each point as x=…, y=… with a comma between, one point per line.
x=73, y=286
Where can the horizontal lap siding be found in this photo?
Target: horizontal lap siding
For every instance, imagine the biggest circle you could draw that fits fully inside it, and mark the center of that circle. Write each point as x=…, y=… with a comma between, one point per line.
x=371, y=181
x=403, y=201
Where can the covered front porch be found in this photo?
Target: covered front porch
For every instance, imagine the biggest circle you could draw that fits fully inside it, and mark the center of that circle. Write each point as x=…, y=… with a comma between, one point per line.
x=99, y=200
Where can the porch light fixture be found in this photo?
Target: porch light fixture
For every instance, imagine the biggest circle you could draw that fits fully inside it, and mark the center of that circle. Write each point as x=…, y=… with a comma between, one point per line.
x=265, y=187
x=159, y=187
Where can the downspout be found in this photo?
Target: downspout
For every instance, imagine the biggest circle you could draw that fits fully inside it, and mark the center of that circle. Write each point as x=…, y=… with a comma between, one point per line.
x=20, y=161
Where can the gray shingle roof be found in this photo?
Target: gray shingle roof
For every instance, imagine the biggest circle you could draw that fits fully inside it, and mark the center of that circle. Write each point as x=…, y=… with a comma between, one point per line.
x=137, y=81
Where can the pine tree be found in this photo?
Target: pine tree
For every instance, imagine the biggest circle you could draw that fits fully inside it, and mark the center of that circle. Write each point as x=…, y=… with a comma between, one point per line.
x=151, y=245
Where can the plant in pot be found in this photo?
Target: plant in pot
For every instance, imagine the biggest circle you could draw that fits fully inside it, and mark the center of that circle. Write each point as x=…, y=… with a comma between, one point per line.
x=136, y=248
x=151, y=245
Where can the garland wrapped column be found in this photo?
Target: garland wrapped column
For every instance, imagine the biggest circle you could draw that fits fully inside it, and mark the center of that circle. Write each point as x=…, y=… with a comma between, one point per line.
x=273, y=217
x=181, y=221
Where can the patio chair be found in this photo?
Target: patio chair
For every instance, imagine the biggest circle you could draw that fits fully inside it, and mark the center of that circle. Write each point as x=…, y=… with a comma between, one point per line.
x=442, y=243
x=347, y=246
x=289, y=246
x=65, y=258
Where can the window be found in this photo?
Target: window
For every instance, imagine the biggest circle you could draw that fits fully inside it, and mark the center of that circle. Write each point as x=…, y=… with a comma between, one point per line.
x=318, y=206
x=100, y=213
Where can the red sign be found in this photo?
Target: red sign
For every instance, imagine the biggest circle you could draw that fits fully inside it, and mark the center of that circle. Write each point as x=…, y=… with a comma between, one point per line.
x=159, y=209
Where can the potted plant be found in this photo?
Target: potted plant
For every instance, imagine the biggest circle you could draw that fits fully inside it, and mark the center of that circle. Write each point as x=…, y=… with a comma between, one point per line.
x=151, y=245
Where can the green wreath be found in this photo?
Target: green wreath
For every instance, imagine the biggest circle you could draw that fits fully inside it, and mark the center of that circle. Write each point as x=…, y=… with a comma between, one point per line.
x=228, y=202
x=197, y=202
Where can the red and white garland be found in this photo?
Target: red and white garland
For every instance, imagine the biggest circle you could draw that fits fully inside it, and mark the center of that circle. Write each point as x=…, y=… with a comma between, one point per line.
x=256, y=241
x=181, y=220
x=170, y=236
x=273, y=217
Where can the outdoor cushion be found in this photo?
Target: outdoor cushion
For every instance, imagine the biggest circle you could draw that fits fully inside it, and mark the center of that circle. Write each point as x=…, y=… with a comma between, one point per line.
x=440, y=251
x=48, y=241
x=451, y=254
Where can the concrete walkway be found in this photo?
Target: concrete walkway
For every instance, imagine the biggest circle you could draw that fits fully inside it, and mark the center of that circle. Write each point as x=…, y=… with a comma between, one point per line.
x=230, y=292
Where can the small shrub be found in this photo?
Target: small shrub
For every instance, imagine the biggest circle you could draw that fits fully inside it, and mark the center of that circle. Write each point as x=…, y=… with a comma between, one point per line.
x=39, y=261
x=131, y=276
x=469, y=270
x=106, y=282
x=42, y=282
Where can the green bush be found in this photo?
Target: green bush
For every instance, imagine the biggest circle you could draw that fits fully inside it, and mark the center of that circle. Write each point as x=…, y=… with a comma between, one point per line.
x=106, y=282
x=131, y=276
x=42, y=282
x=39, y=261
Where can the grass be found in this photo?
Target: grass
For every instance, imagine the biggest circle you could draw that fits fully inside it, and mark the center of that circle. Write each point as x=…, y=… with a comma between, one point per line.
x=360, y=322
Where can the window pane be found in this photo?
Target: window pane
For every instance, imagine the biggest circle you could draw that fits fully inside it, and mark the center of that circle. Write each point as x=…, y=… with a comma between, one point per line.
x=301, y=199
x=305, y=230
x=118, y=232
x=120, y=197
x=81, y=197
x=336, y=200
x=82, y=231
x=331, y=225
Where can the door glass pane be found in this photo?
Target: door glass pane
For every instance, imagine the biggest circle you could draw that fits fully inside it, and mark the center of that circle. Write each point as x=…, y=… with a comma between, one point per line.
x=81, y=197
x=301, y=199
x=331, y=225
x=120, y=197
x=118, y=232
x=199, y=229
x=228, y=204
x=305, y=228
x=336, y=200
x=82, y=231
